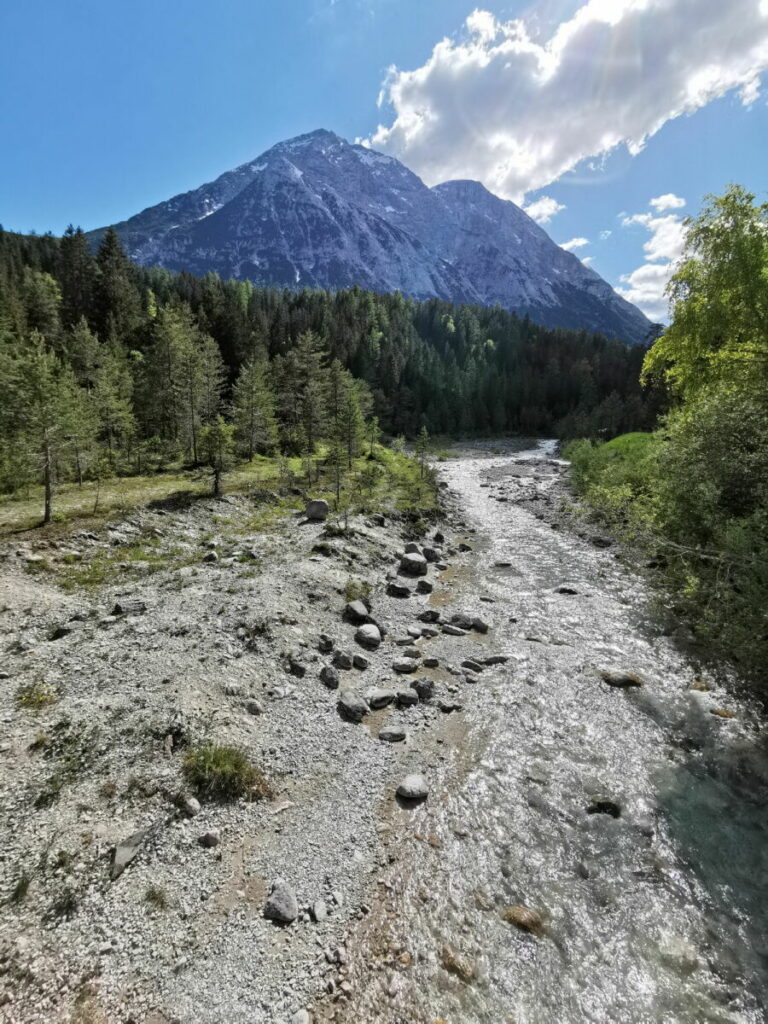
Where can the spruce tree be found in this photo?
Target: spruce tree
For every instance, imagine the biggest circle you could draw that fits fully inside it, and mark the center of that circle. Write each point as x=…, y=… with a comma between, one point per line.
x=253, y=408
x=216, y=445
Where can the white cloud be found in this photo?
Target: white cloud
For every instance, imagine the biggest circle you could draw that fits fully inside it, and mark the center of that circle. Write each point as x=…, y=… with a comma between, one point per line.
x=516, y=107
x=544, y=209
x=646, y=285
x=669, y=201
x=586, y=260
x=575, y=243
x=605, y=234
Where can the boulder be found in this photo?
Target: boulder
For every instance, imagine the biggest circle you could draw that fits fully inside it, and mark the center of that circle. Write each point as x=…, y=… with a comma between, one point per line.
x=405, y=665
x=379, y=698
x=396, y=589
x=352, y=707
x=406, y=697
x=412, y=548
x=281, y=905
x=357, y=613
x=342, y=660
x=317, y=509
x=424, y=687
x=424, y=587
x=392, y=734
x=329, y=677
x=368, y=636
x=413, y=787
x=413, y=564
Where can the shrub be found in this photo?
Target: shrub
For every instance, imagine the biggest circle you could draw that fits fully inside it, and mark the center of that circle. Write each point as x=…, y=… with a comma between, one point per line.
x=221, y=772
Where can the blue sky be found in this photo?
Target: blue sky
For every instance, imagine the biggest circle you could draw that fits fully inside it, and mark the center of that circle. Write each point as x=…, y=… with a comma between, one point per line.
x=599, y=106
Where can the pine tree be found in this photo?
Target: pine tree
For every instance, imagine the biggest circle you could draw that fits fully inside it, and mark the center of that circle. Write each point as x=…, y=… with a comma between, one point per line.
x=77, y=276
x=216, y=445
x=422, y=448
x=254, y=409
x=116, y=299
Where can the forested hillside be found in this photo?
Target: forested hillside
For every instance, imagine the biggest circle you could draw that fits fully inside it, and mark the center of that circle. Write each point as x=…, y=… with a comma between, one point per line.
x=108, y=367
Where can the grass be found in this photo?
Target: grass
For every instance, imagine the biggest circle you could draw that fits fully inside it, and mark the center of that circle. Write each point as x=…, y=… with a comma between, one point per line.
x=21, y=888
x=224, y=773
x=36, y=695
x=130, y=561
x=157, y=897
x=357, y=590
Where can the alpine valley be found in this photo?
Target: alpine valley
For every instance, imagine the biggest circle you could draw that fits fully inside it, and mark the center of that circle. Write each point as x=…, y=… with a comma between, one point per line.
x=319, y=212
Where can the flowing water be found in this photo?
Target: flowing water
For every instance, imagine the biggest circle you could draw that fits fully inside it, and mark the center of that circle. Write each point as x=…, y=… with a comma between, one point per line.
x=657, y=915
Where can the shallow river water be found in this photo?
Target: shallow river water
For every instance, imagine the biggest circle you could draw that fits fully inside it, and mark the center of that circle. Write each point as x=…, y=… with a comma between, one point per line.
x=657, y=915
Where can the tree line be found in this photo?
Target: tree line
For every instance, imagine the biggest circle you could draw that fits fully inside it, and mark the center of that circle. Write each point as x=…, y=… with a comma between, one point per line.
x=106, y=367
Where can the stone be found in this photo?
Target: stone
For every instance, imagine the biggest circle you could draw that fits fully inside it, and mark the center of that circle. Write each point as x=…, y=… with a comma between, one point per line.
x=438, y=537
x=722, y=713
x=424, y=587
x=125, y=851
x=325, y=643
x=496, y=659
x=296, y=667
x=413, y=787
x=301, y=1017
x=473, y=666
x=429, y=631
x=379, y=698
x=352, y=707
x=413, y=564
x=360, y=662
x=423, y=687
x=317, y=509
x=368, y=636
x=253, y=707
x=209, y=840
x=210, y=556
x=329, y=677
x=432, y=554
x=463, y=546
x=462, y=620
x=430, y=615
x=458, y=965
x=396, y=589
x=479, y=625
x=601, y=542
x=406, y=697
x=412, y=652
x=392, y=734
x=609, y=807
x=190, y=805
x=357, y=613
x=621, y=680
x=129, y=606
x=405, y=665
x=281, y=905
x=447, y=706
x=568, y=591
x=412, y=548
x=319, y=911
x=431, y=662
x=453, y=630
x=524, y=918
x=342, y=660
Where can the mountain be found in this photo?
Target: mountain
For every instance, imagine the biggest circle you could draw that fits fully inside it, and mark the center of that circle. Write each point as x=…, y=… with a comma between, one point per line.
x=319, y=212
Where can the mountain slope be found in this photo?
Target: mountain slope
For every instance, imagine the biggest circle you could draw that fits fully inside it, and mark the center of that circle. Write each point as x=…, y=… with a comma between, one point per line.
x=316, y=211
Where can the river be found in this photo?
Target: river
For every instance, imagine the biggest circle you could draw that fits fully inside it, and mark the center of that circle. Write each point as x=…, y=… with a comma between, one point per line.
x=655, y=912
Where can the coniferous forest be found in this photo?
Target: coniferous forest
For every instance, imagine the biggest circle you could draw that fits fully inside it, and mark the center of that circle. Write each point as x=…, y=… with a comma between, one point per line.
x=107, y=367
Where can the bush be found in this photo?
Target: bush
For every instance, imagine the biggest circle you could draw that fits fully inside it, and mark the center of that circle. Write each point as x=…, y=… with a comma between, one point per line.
x=220, y=772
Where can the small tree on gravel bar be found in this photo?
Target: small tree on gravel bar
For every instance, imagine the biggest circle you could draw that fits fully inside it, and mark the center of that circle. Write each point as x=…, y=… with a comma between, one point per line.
x=216, y=443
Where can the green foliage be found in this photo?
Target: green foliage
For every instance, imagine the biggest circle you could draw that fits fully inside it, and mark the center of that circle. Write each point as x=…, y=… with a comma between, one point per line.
x=216, y=449
x=36, y=695
x=357, y=590
x=220, y=772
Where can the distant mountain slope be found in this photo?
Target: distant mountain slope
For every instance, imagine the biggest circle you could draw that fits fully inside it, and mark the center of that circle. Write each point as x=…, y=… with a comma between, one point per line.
x=316, y=211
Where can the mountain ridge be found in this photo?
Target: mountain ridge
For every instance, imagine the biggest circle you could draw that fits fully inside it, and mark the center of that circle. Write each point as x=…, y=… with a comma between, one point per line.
x=317, y=211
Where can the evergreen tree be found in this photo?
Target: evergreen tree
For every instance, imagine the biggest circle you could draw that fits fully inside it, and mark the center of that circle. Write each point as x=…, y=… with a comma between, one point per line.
x=116, y=299
x=253, y=407
x=77, y=275
x=216, y=445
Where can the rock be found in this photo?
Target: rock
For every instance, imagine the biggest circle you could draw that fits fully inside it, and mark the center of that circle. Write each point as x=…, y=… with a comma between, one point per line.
x=412, y=652
x=413, y=787
x=60, y=631
x=329, y=677
x=209, y=840
x=429, y=631
x=621, y=680
x=722, y=712
x=463, y=546
x=430, y=615
x=379, y=698
x=368, y=636
x=600, y=542
x=453, y=630
x=325, y=643
x=406, y=697
x=447, y=706
x=317, y=509
x=701, y=685
x=457, y=965
x=413, y=564
x=129, y=606
x=210, y=556
x=479, y=625
x=301, y=1017
x=496, y=659
x=431, y=662
x=524, y=918
x=411, y=548
x=281, y=905
x=253, y=707
x=424, y=688
x=395, y=589
x=569, y=591
x=357, y=613
x=473, y=666
x=438, y=537
x=392, y=734
x=190, y=805
x=319, y=911
x=296, y=667
x=424, y=587
x=125, y=851
x=352, y=707
x=502, y=565
x=359, y=662
x=462, y=620
x=405, y=665
x=432, y=554
x=604, y=807
x=342, y=660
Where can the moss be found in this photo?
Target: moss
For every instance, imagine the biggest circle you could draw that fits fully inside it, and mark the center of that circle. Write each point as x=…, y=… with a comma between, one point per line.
x=220, y=772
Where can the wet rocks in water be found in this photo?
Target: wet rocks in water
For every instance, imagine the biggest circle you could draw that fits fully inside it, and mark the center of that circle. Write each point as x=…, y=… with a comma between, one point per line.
x=414, y=788
x=524, y=918
x=379, y=698
x=396, y=589
x=317, y=509
x=620, y=680
x=352, y=707
x=456, y=964
x=392, y=734
x=357, y=613
x=413, y=564
x=368, y=636
x=329, y=677
x=405, y=665
x=609, y=807
x=125, y=851
x=281, y=905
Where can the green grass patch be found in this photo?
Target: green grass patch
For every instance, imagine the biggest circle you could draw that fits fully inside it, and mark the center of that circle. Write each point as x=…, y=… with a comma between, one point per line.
x=220, y=772
x=36, y=695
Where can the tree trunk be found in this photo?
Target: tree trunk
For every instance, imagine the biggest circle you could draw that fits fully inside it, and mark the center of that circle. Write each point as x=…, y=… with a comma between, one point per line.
x=217, y=483
x=48, y=480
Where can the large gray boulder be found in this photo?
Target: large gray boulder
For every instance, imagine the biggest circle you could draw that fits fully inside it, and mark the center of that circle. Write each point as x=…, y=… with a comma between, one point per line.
x=413, y=564
x=368, y=636
x=357, y=613
x=352, y=707
x=282, y=905
x=413, y=787
x=317, y=509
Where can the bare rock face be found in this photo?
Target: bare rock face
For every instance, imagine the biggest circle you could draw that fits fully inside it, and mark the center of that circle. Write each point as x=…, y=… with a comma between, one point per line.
x=317, y=509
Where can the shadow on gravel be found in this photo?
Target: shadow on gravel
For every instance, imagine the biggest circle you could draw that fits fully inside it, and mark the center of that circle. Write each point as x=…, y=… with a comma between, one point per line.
x=715, y=805
x=178, y=501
